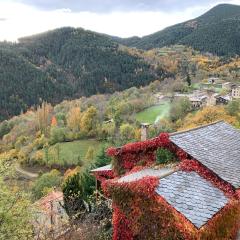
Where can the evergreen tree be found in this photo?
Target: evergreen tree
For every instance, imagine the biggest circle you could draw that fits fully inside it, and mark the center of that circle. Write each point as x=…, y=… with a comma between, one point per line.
x=188, y=80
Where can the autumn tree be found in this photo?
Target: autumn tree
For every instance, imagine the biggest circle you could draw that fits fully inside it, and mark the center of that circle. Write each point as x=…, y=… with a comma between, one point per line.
x=90, y=154
x=127, y=132
x=46, y=183
x=43, y=117
x=206, y=116
x=53, y=122
x=74, y=119
x=179, y=109
x=89, y=121
x=107, y=131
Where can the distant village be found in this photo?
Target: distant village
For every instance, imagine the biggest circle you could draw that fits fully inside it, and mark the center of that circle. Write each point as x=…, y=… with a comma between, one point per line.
x=212, y=92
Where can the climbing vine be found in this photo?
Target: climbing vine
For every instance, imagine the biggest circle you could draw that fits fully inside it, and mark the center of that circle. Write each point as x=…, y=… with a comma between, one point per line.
x=139, y=153
x=140, y=213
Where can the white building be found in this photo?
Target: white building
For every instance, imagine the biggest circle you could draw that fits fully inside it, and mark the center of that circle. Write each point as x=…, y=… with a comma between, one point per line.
x=236, y=92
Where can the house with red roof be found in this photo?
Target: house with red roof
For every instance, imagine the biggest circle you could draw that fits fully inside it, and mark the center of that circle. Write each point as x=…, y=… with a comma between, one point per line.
x=197, y=196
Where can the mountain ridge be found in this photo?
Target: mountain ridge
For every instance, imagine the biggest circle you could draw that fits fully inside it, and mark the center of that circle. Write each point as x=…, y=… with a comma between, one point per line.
x=220, y=17
x=65, y=63
x=68, y=63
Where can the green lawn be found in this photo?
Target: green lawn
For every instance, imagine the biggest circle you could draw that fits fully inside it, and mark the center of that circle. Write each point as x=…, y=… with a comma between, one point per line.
x=196, y=86
x=155, y=113
x=71, y=153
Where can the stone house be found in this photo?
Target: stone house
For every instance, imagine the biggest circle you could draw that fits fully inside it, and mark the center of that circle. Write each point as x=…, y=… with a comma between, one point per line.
x=198, y=101
x=197, y=197
x=51, y=218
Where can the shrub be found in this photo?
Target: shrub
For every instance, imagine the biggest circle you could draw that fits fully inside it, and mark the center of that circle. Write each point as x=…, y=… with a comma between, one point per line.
x=37, y=158
x=39, y=142
x=102, y=159
x=164, y=156
x=20, y=142
x=46, y=180
x=127, y=132
x=76, y=189
x=57, y=135
x=180, y=108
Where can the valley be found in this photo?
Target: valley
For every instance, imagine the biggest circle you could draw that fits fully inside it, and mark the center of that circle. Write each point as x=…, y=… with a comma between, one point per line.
x=74, y=101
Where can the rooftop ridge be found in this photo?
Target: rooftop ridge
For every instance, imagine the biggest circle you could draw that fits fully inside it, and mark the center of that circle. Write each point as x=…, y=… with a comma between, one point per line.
x=199, y=127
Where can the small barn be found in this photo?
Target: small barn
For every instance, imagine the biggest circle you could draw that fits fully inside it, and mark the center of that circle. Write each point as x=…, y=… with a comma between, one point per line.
x=194, y=197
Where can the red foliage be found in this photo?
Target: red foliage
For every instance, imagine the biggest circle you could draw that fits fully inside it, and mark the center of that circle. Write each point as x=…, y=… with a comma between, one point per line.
x=238, y=193
x=112, y=151
x=121, y=229
x=161, y=141
x=132, y=154
x=136, y=203
x=104, y=175
x=123, y=224
x=54, y=121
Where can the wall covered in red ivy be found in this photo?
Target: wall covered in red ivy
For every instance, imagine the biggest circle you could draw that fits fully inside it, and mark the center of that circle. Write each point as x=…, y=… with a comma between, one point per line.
x=139, y=213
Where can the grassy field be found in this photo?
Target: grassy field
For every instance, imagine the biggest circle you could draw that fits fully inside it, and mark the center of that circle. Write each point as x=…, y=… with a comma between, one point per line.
x=71, y=153
x=155, y=113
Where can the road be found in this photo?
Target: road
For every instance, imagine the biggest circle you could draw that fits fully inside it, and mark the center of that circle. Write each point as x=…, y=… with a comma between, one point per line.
x=25, y=173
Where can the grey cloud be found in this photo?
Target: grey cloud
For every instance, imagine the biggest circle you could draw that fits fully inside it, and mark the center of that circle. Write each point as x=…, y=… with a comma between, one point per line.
x=111, y=5
x=2, y=19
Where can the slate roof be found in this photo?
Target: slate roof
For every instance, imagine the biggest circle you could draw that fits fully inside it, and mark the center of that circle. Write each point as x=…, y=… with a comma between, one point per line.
x=148, y=172
x=217, y=146
x=191, y=195
x=104, y=168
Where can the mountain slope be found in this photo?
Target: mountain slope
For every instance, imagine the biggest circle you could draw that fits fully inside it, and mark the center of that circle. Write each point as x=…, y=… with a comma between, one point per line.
x=216, y=31
x=65, y=64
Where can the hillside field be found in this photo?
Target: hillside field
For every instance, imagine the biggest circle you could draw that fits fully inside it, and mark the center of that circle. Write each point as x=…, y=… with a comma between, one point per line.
x=71, y=153
x=155, y=113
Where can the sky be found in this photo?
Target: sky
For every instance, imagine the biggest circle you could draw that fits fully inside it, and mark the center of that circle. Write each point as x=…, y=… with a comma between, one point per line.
x=123, y=18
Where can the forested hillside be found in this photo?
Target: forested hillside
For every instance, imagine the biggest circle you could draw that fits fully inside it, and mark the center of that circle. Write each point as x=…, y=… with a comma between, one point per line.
x=216, y=31
x=65, y=64
x=68, y=63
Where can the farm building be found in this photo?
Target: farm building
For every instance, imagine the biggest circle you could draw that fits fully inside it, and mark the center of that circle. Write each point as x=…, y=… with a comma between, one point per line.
x=195, y=195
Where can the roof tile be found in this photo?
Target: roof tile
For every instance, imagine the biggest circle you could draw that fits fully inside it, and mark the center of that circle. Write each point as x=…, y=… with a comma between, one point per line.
x=217, y=146
x=199, y=201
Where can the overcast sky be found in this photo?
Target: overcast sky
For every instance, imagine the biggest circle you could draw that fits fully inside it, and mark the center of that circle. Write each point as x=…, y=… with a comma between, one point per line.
x=122, y=18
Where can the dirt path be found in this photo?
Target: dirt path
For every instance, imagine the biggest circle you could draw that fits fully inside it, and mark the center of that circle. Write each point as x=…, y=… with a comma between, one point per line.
x=27, y=174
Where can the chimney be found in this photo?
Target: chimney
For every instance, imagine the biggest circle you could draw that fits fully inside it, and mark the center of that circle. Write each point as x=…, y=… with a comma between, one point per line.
x=144, y=131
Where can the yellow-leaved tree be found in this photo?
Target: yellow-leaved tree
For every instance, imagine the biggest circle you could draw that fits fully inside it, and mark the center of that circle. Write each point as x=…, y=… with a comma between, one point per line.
x=44, y=116
x=207, y=115
x=90, y=154
x=89, y=121
x=74, y=119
